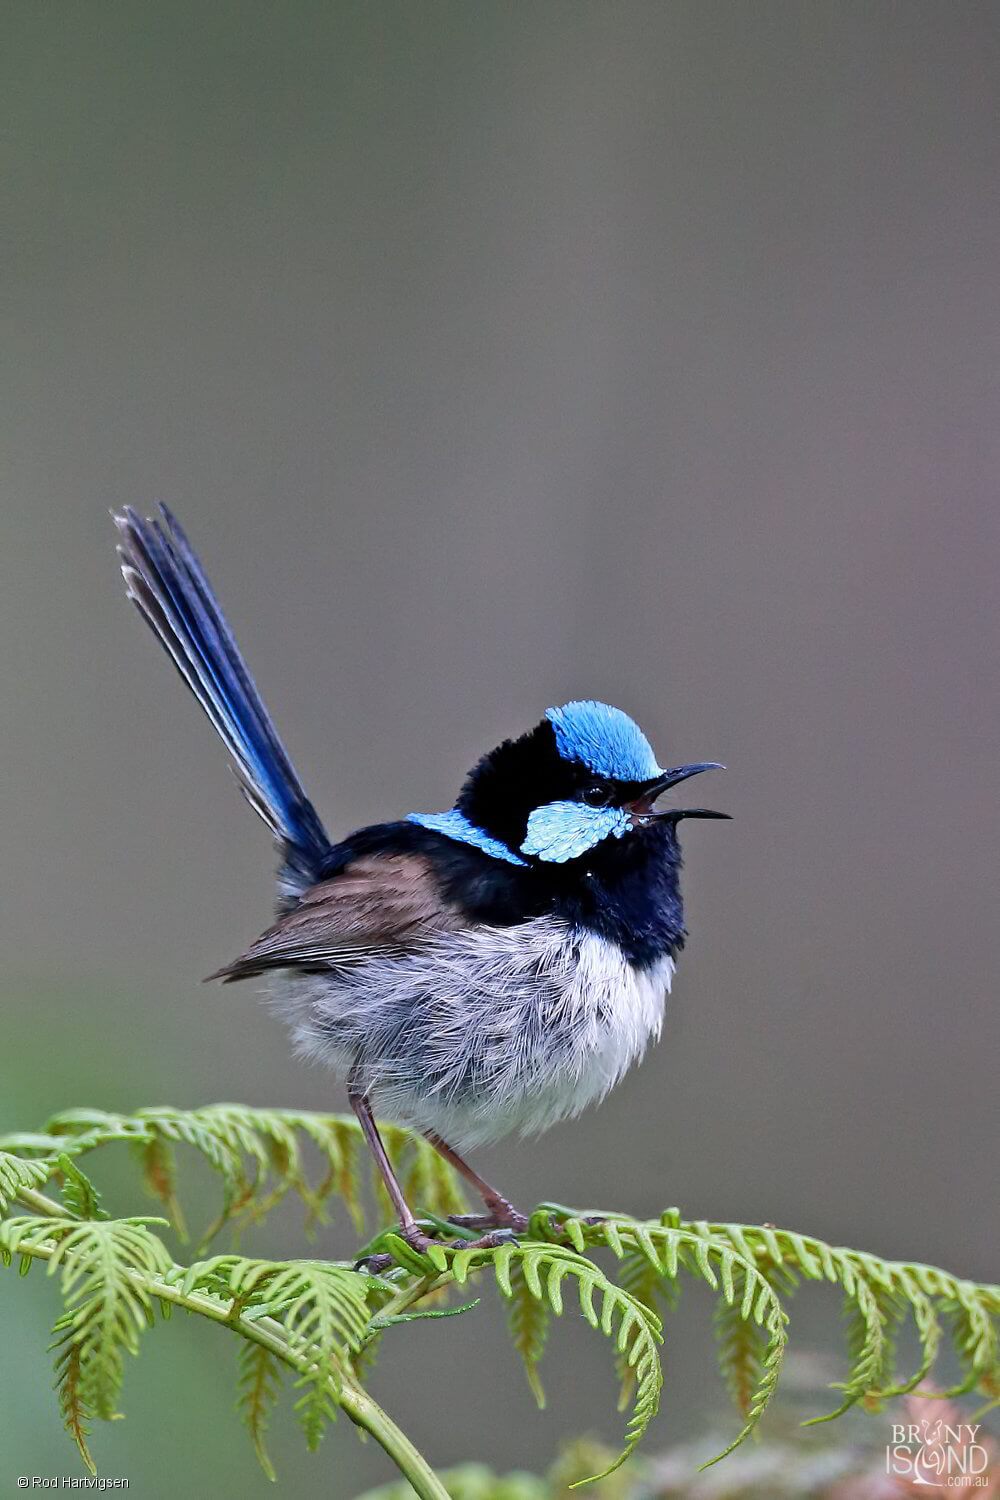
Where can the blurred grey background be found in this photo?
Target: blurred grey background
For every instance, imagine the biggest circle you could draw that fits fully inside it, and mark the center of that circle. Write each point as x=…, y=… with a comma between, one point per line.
x=494, y=355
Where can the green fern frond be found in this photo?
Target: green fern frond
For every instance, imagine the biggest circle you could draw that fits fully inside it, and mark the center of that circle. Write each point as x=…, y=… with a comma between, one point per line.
x=205, y=1130
x=876, y=1287
x=636, y=1331
x=741, y=1348
x=284, y=1164
x=645, y=1283
x=76, y=1413
x=528, y=1321
x=77, y=1131
x=975, y=1338
x=327, y=1323
x=893, y=1312
x=319, y=1318
x=18, y=1173
x=78, y=1192
x=878, y=1290
x=103, y=1264
x=670, y=1247
x=227, y=1140
x=158, y=1165
x=258, y=1155
x=322, y=1308
x=259, y=1383
x=107, y=1308
x=871, y=1356
x=340, y=1142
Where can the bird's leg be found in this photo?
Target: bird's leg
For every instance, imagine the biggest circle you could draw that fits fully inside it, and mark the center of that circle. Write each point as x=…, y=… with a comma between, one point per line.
x=500, y=1214
x=408, y=1227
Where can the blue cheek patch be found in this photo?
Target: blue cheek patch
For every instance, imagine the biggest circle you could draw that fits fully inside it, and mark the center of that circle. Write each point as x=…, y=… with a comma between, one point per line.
x=603, y=739
x=565, y=830
x=455, y=825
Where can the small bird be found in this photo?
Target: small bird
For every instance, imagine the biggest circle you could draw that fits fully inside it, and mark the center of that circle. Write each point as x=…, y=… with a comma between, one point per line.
x=492, y=968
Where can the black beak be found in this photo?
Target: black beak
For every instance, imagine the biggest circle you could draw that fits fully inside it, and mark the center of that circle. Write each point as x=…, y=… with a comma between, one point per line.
x=642, y=807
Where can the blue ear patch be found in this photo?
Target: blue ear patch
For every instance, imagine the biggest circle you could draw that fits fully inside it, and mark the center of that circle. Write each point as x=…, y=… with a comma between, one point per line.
x=455, y=825
x=564, y=830
x=603, y=739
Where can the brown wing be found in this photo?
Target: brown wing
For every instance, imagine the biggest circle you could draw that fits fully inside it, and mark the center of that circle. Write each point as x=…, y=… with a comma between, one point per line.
x=379, y=904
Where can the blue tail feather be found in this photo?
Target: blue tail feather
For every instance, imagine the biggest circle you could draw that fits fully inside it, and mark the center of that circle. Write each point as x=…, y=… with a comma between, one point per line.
x=168, y=585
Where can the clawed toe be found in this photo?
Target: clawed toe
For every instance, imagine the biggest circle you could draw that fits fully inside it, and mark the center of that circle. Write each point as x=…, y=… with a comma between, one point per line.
x=472, y=1221
x=490, y=1241
x=503, y=1216
x=374, y=1265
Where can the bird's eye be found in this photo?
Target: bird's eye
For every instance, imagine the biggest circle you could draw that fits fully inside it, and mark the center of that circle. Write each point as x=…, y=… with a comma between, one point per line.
x=595, y=796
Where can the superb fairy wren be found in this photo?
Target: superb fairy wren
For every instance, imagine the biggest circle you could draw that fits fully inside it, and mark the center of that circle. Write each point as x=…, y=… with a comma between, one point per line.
x=492, y=968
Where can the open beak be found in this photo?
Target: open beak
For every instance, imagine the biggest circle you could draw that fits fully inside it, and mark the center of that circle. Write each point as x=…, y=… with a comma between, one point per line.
x=642, y=809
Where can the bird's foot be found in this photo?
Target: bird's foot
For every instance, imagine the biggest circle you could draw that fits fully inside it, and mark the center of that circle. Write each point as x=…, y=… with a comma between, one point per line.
x=377, y=1263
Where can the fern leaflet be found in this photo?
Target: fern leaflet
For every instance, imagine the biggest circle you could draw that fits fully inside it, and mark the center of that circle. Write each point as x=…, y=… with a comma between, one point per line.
x=322, y=1308
x=636, y=1331
x=18, y=1173
x=528, y=1320
x=259, y=1382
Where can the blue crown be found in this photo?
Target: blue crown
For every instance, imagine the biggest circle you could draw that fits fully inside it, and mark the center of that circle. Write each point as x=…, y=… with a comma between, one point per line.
x=604, y=739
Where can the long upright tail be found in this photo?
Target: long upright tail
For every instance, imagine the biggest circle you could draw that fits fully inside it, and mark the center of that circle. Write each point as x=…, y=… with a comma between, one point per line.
x=167, y=583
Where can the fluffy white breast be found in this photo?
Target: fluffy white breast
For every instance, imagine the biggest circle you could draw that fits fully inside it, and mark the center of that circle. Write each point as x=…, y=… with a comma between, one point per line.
x=484, y=1030
x=623, y=1006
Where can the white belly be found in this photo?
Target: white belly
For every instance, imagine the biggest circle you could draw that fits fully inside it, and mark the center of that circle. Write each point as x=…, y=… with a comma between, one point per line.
x=483, y=1031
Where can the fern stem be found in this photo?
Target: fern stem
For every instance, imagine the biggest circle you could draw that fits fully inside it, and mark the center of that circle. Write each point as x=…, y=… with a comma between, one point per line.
x=47, y=1207
x=415, y=1293
x=365, y=1412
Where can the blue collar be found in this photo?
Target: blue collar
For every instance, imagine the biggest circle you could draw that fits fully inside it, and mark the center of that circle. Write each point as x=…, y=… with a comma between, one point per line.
x=455, y=825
